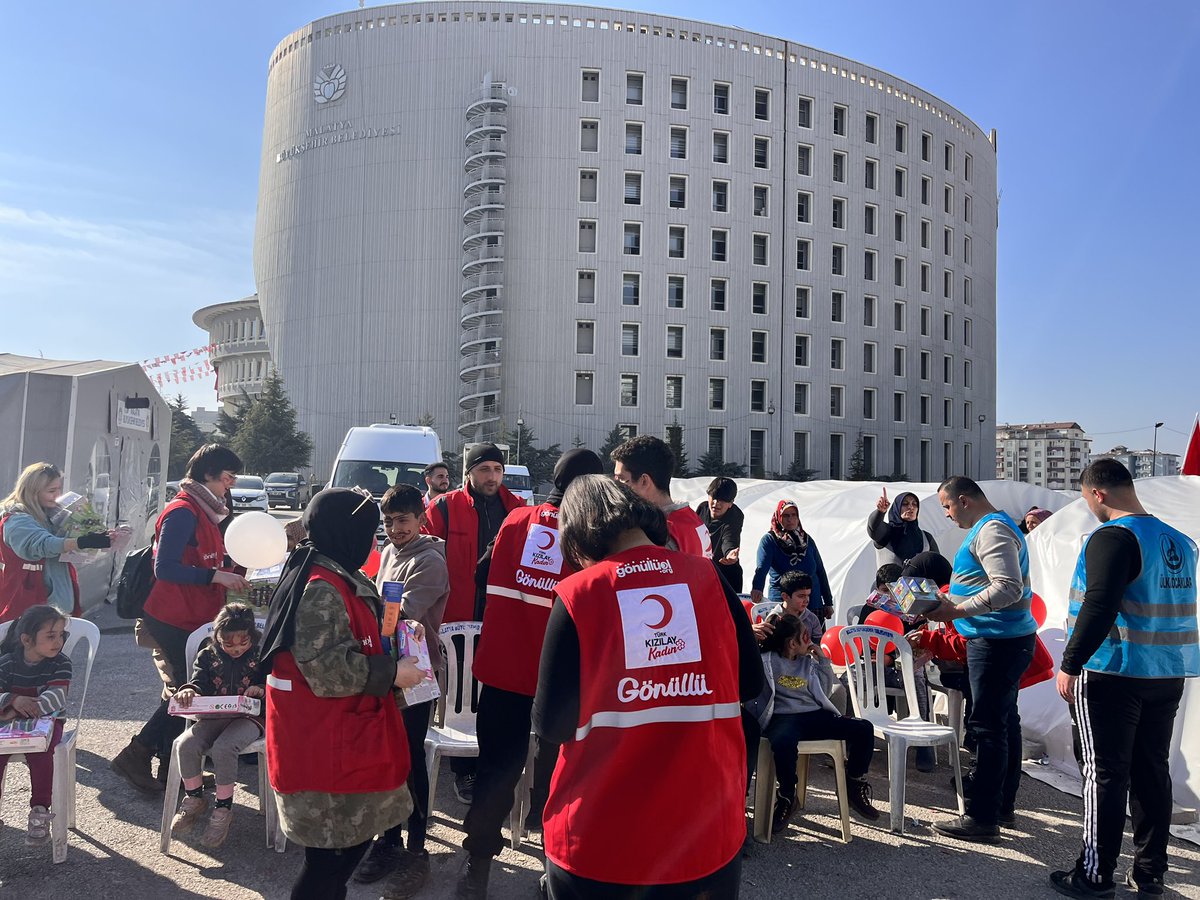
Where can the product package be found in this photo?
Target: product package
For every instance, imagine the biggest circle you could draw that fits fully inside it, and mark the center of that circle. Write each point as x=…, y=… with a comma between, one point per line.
x=262, y=586
x=408, y=644
x=26, y=735
x=209, y=707
x=915, y=596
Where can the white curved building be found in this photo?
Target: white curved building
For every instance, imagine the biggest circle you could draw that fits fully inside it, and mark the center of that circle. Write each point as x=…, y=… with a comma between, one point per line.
x=588, y=217
x=241, y=358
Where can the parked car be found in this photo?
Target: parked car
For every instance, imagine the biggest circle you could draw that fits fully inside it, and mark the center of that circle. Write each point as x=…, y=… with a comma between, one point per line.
x=172, y=488
x=288, y=489
x=249, y=493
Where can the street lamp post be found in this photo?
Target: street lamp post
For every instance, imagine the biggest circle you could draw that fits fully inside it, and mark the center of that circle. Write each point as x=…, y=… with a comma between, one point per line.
x=520, y=427
x=979, y=454
x=771, y=413
x=1154, y=452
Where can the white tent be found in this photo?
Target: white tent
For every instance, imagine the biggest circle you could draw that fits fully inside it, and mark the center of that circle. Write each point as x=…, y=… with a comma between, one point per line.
x=834, y=513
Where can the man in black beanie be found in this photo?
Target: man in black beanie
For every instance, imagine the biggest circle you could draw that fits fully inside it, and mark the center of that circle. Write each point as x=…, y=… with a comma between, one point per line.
x=468, y=519
x=724, y=520
x=526, y=566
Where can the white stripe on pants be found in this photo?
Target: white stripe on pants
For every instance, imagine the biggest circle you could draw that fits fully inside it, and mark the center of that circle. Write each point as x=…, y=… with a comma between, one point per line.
x=1091, y=860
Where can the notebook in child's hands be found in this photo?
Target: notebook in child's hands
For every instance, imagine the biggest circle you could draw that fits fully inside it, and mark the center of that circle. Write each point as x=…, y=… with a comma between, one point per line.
x=26, y=735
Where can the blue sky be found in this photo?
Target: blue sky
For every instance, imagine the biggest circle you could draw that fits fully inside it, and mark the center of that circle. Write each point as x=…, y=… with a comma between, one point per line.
x=130, y=144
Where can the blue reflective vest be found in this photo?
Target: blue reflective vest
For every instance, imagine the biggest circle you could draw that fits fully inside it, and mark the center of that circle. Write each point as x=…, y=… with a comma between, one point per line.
x=969, y=579
x=1155, y=633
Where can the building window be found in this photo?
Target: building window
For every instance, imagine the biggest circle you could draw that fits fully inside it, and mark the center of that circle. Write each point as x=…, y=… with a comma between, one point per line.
x=627, y=431
x=926, y=365
x=589, y=136
x=800, y=449
x=901, y=181
x=587, y=236
x=837, y=453
x=949, y=157
x=898, y=271
x=869, y=174
x=673, y=395
x=676, y=241
x=839, y=212
x=720, y=196
x=629, y=389
x=762, y=153
x=968, y=333
x=716, y=394
x=837, y=404
x=720, y=241
x=804, y=112
x=675, y=291
x=585, y=338
x=898, y=360
x=583, y=388
x=800, y=398
x=871, y=124
x=898, y=315
x=967, y=249
x=803, y=207
x=720, y=147
x=967, y=291
x=716, y=344
x=869, y=219
x=967, y=373
x=678, y=143
x=948, y=241
x=590, y=86
x=720, y=99
x=967, y=160
x=716, y=442
x=633, y=138
x=925, y=270
x=947, y=369
x=803, y=254
x=947, y=326
x=837, y=353
x=839, y=120
x=587, y=185
x=898, y=406
x=761, y=200
x=948, y=413
x=837, y=260
x=802, y=303
x=761, y=255
x=868, y=406
x=585, y=286
x=968, y=418
x=947, y=284
x=674, y=342
x=633, y=239
x=869, y=265
x=926, y=230
x=630, y=338
x=869, y=348
x=803, y=159
x=802, y=350
x=898, y=227
x=758, y=346
x=837, y=307
x=631, y=289
x=926, y=188
x=839, y=167
x=716, y=294
x=633, y=88
x=758, y=395
x=677, y=197
x=868, y=454
x=926, y=412
x=758, y=298
x=901, y=137
x=869, y=311
x=679, y=93
x=633, y=188
x=762, y=104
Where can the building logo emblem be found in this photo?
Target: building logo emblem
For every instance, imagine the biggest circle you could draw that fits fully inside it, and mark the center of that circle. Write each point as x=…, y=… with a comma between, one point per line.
x=330, y=84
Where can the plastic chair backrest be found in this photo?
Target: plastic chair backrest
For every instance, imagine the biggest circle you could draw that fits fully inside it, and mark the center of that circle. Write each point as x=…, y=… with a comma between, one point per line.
x=197, y=637
x=79, y=630
x=462, y=690
x=759, y=611
x=865, y=667
x=854, y=615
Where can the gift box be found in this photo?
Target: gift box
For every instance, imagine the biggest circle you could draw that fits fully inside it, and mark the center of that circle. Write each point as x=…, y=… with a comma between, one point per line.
x=408, y=644
x=208, y=707
x=915, y=596
x=26, y=735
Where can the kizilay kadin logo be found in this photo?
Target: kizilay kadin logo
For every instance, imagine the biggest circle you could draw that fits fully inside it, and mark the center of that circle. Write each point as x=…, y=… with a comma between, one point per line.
x=330, y=84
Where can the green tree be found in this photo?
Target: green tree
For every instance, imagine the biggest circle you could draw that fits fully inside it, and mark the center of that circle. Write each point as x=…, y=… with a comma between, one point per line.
x=612, y=441
x=858, y=462
x=798, y=472
x=228, y=424
x=186, y=438
x=713, y=463
x=675, y=442
x=426, y=419
x=268, y=439
x=577, y=442
x=524, y=451
x=453, y=462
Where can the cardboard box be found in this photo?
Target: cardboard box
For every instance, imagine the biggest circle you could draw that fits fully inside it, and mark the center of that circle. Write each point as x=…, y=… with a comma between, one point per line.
x=915, y=596
x=208, y=707
x=26, y=735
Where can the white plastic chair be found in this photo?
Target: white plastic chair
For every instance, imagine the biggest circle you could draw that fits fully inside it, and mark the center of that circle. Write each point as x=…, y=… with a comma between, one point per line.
x=865, y=667
x=521, y=803
x=759, y=611
x=63, y=796
x=954, y=707
x=453, y=733
x=764, y=784
x=266, y=795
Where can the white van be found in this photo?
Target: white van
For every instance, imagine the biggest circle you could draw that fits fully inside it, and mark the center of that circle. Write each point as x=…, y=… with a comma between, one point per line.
x=381, y=456
x=517, y=480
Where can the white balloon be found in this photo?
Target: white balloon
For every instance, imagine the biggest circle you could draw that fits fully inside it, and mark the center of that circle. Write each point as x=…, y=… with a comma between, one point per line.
x=256, y=540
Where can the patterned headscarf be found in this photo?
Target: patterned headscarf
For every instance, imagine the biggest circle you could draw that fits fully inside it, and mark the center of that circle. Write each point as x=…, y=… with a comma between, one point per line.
x=791, y=542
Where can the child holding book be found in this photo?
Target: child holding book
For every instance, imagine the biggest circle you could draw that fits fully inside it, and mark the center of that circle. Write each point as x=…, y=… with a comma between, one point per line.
x=227, y=665
x=34, y=678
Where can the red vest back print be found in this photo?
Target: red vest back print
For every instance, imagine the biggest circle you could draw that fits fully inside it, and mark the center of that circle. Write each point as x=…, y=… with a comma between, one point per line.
x=188, y=606
x=689, y=532
x=335, y=745
x=527, y=565
x=652, y=788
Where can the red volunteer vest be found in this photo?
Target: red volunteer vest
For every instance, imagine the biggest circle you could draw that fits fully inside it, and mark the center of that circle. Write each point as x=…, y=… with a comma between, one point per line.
x=527, y=565
x=23, y=582
x=652, y=788
x=188, y=606
x=335, y=745
x=461, y=535
x=689, y=532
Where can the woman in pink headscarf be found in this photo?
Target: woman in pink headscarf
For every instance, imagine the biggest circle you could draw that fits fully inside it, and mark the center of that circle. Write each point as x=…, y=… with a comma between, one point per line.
x=787, y=547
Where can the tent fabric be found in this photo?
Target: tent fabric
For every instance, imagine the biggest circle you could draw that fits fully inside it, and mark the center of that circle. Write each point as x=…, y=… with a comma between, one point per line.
x=835, y=514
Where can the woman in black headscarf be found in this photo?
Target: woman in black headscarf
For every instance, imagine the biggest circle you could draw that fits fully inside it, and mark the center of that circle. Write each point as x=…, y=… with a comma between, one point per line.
x=898, y=538
x=336, y=749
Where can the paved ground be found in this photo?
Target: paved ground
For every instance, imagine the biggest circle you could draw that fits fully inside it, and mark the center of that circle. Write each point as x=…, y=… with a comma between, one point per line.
x=114, y=852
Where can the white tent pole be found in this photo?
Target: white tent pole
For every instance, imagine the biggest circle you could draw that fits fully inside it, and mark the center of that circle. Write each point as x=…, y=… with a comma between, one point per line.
x=24, y=408
x=70, y=454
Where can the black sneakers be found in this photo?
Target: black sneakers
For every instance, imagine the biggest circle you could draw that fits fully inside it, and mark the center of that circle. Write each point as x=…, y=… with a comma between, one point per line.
x=464, y=788
x=860, y=798
x=1145, y=885
x=1071, y=884
x=784, y=807
x=473, y=883
x=380, y=862
x=964, y=828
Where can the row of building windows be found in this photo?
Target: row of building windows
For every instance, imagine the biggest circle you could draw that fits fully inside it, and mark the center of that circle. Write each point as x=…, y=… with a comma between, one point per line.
x=679, y=99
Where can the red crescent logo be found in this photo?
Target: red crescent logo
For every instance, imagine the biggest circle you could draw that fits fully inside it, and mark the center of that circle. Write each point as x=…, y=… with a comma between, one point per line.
x=667, y=612
x=549, y=536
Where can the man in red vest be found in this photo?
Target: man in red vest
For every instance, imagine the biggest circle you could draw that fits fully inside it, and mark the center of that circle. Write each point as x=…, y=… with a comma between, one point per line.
x=645, y=464
x=468, y=519
x=526, y=565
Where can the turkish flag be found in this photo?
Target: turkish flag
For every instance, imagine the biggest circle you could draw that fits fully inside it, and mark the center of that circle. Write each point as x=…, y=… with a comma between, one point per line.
x=1191, y=459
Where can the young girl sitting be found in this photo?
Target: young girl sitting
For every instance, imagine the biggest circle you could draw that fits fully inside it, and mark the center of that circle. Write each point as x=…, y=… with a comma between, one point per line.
x=34, y=677
x=226, y=666
x=795, y=707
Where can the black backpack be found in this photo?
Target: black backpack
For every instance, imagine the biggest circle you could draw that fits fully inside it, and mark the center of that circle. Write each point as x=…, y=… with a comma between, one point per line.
x=133, y=587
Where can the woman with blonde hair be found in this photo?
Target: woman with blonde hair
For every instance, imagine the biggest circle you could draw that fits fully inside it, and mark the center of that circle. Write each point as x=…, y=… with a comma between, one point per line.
x=31, y=572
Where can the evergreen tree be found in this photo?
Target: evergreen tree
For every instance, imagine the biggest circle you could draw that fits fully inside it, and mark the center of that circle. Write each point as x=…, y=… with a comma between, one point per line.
x=186, y=438
x=453, y=462
x=426, y=419
x=713, y=463
x=577, y=442
x=675, y=442
x=612, y=441
x=268, y=439
x=228, y=424
x=858, y=462
x=540, y=462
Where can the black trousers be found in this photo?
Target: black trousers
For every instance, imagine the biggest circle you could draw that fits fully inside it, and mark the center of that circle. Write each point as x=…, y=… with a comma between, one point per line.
x=416, y=726
x=502, y=725
x=1125, y=729
x=325, y=872
x=723, y=884
x=162, y=728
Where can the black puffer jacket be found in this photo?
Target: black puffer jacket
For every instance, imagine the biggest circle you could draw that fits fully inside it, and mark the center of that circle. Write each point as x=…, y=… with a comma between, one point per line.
x=217, y=674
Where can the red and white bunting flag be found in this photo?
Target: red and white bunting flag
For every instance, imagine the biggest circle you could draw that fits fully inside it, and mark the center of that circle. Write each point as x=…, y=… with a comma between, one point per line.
x=1191, y=457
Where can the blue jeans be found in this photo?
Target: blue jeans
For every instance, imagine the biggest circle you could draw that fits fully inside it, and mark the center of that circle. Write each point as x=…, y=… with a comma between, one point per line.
x=995, y=666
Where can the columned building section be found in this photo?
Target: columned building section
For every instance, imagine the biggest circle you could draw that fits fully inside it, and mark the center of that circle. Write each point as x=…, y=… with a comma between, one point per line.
x=593, y=217
x=241, y=357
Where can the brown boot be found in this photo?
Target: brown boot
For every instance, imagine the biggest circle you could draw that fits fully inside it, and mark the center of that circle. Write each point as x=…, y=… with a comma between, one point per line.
x=133, y=764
